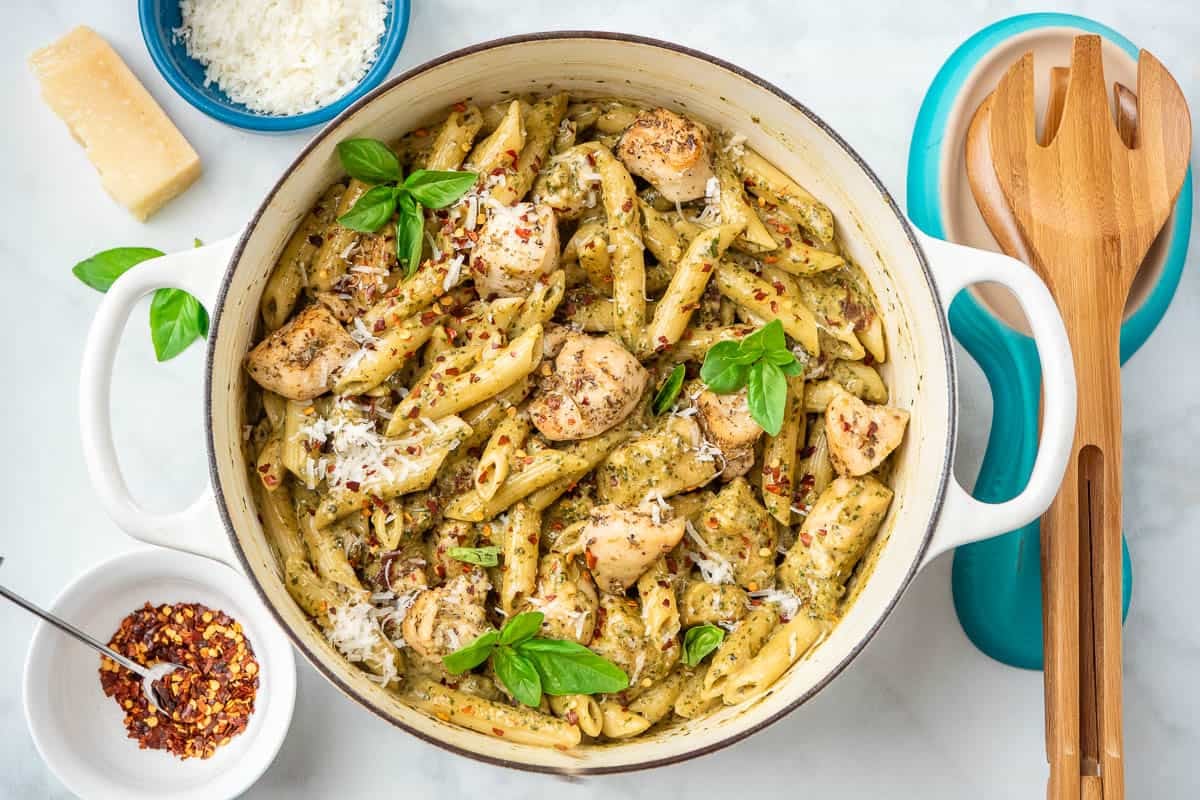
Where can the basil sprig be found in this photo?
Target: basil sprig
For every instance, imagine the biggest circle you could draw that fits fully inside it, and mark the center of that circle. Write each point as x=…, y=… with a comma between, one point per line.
x=483, y=556
x=762, y=362
x=176, y=318
x=371, y=161
x=529, y=665
x=665, y=399
x=699, y=641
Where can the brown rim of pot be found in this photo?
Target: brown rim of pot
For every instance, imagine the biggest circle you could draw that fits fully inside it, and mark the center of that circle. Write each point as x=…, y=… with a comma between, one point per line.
x=701, y=56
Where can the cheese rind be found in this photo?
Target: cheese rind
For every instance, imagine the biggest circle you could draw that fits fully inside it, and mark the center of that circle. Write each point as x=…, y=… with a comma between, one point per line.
x=142, y=158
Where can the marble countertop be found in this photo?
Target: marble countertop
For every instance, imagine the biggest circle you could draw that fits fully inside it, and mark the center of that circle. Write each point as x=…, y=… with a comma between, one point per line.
x=921, y=713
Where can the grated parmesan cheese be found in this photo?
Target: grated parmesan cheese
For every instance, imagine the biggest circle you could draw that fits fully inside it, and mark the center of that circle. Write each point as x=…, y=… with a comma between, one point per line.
x=354, y=630
x=714, y=568
x=282, y=57
x=788, y=603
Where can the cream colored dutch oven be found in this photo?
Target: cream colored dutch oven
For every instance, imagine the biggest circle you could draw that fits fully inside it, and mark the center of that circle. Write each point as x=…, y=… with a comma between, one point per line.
x=915, y=278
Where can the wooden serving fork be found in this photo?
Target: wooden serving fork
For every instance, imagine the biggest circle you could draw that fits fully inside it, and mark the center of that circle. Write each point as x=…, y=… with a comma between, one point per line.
x=1088, y=206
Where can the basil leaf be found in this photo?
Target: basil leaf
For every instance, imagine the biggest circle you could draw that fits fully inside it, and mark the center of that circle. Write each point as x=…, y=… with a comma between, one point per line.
x=665, y=399
x=570, y=668
x=438, y=189
x=176, y=320
x=369, y=160
x=410, y=234
x=102, y=269
x=780, y=357
x=483, y=556
x=792, y=368
x=472, y=655
x=519, y=675
x=750, y=349
x=372, y=211
x=521, y=627
x=720, y=372
x=699, y=641
x=772, y=337
x=767, y=396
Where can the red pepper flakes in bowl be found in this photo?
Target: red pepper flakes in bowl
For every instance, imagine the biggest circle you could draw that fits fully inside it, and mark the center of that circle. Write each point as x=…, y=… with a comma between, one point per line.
x=211, y=698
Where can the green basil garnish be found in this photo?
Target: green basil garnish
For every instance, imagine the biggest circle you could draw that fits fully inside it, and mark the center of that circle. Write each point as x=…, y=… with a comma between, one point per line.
x=762, y=362
x=372, y=211
x=372, y=161
x=434, y=189
x=521, y=627
x=369, y=160
x=472, y=655
x=176, y=318
x=699, y=641
x=665, y=399
x=482, y=556
x=529, y=665
x=519, y=675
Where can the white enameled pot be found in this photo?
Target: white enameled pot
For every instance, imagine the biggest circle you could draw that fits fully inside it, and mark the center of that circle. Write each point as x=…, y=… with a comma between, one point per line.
x=914, y=277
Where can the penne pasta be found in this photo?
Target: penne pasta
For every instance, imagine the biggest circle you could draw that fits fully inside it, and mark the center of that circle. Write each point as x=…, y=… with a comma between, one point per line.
x=767, y=181
x=787, y=645
x=739, y=647
x=520, y=551
x=541, y=470
x=515, y=724
x=290, y=275
x=581, y=710
x=780, y=455
x=492, y=471
x=766, y=302
x=485, y=380
x=691, y=276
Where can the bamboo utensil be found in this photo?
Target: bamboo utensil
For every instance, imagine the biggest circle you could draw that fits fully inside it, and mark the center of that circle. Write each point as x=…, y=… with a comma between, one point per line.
x=1087, y=205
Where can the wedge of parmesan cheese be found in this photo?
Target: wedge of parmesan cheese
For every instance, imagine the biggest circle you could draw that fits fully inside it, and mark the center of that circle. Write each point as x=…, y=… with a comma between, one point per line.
x=142, y=158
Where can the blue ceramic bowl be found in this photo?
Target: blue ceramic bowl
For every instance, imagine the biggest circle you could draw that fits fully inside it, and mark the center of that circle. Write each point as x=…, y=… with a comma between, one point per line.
x=159, y=18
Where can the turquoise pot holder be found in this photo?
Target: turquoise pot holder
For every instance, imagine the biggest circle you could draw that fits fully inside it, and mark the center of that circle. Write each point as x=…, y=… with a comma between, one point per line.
x=997, y=582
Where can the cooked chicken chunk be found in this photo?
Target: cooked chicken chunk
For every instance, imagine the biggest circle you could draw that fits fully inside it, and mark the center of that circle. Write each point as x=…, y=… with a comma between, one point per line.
x=727, y=423
x=860, y=435
x=302, y=359
x=566, y=595
x=737, y=528
x=596, y=383
x=620, y=544
x=449, y=617
x=669, y=151
x=516, y=246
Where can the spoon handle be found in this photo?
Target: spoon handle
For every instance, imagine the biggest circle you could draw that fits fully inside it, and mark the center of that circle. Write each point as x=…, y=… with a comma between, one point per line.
x=72, y=631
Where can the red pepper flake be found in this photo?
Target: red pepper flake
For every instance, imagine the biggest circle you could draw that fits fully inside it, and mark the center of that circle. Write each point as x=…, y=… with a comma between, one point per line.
x=460, y=107
x=760, y=295
x=589, y=558
x=503, y=440
x=523, y=233
x=806, y=537
x=353, y=486
x=627, y=205
x=779, y=287
x=210, y=700
x=807, y=452
x=497, y=731
x=429, y=317
x=770, y=259
x=414, y=412
x=872, y=429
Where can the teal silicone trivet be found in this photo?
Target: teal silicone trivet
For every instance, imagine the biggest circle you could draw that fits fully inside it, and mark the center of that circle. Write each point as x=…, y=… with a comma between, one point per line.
x=997, y=582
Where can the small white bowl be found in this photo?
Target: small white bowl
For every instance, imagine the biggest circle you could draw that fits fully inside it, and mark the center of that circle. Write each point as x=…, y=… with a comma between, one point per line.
x=79, y=732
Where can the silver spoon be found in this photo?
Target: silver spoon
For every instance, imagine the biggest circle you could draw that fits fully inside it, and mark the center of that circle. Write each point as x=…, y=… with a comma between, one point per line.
x=150, y=675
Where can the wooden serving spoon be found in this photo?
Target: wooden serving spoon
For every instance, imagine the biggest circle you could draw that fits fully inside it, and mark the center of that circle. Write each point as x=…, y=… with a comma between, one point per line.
x=1087, y=208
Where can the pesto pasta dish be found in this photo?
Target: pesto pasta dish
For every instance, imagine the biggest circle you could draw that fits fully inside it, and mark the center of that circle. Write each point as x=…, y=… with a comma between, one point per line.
x=565, y=418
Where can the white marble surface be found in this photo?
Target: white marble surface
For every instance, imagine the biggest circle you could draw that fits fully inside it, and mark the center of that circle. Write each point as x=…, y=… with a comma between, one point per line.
x=920, y=714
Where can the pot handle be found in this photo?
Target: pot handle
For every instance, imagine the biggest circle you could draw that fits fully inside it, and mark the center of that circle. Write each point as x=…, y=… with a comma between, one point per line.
x=197, y=528
x=965, y=519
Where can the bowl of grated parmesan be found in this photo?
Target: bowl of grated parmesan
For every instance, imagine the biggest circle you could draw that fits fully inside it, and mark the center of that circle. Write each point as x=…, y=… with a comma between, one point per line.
x=273, y=66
